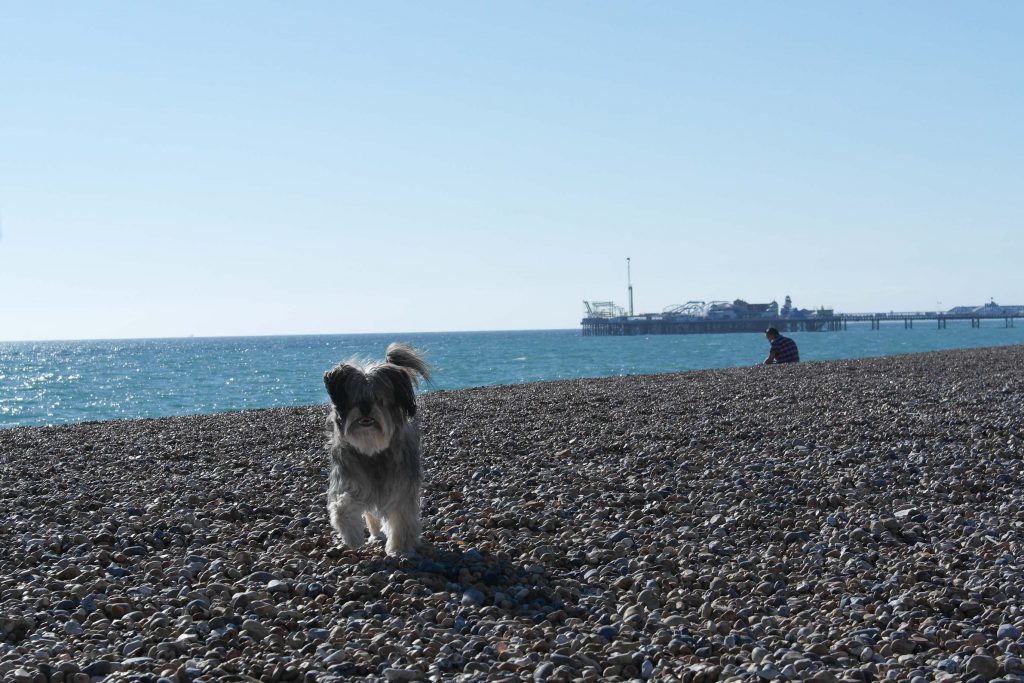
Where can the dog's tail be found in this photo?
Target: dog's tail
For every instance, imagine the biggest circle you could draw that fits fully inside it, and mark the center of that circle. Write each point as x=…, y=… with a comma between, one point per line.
x=408, y=358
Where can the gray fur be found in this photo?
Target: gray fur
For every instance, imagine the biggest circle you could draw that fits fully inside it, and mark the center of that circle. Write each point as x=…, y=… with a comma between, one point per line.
x=376, y=475
x=405, y=356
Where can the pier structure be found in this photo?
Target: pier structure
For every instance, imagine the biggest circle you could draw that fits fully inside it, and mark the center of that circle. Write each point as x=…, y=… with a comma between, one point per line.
x=656, y=324
x=606, y=319
x=940, y=318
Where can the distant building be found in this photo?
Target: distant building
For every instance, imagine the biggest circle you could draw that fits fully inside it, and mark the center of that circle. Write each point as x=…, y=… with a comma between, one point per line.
x=738, y=309
x=989, y=310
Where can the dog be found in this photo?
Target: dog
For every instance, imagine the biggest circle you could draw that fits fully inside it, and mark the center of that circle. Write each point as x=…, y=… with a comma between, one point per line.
x=376, y=470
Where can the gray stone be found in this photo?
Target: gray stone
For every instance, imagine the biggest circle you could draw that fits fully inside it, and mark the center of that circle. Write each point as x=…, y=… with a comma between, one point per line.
x=543, y=671
x=982, y=665
x=255, y=629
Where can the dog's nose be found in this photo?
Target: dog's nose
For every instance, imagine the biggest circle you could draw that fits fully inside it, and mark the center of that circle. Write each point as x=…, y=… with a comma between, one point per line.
x=365, y=408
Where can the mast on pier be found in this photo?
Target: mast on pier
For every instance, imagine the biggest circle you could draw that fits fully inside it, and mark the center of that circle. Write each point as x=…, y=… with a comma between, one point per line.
x=629, y=284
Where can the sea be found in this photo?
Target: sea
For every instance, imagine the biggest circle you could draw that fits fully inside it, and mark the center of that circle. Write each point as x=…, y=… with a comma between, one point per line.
x=57, y=382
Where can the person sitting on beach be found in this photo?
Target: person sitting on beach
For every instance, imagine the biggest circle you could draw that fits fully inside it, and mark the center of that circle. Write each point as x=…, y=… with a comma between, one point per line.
x=783, y=348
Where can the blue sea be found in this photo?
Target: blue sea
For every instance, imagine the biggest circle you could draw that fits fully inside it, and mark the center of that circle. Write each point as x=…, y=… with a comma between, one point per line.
x=54, y=382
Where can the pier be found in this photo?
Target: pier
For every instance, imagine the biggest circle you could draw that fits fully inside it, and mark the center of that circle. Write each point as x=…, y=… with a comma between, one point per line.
x=605, y=318
x=940, y=318
x=597, y=325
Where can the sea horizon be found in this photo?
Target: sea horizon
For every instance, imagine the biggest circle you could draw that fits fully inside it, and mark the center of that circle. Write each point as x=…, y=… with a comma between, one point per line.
x=285, y=334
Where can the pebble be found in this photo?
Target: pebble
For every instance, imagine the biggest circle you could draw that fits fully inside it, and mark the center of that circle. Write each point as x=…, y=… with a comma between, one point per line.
x=1008, y=631
x=863, y=524
x=982, y=665
x=255, y=629
x=100, y=667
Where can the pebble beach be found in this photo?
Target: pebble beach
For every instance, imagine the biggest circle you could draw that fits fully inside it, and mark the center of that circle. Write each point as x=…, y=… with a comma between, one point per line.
x=835, y=521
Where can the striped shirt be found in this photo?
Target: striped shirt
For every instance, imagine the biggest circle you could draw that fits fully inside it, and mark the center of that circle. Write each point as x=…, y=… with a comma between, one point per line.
x=785, y=350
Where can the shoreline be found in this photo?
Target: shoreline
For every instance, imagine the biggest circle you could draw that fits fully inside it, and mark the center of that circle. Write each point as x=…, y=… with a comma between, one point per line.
x=833, y=520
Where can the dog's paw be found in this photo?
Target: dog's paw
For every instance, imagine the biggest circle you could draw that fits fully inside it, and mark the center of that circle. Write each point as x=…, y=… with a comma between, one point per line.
x=399, y=545
x=347, y=520
x=401, y=552
x=353, y=542
x=373, y=525
x=353, y=537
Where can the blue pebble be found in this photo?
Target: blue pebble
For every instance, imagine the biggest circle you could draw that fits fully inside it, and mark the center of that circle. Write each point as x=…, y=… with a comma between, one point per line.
x=1008, y=631
x=619, y=535
x=342, y=669
x=431, y=567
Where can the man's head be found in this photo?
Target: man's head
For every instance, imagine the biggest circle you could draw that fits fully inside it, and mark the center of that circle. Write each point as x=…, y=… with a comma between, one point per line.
x=771, y=333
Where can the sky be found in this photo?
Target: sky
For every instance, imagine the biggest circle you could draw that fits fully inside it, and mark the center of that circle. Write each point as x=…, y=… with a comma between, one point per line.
x=251, y=168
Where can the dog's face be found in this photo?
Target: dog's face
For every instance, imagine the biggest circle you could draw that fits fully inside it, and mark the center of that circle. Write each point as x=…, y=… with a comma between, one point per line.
x=370, y=403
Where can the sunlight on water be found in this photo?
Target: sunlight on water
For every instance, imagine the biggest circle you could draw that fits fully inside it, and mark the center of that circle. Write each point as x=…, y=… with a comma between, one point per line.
x=56, y=382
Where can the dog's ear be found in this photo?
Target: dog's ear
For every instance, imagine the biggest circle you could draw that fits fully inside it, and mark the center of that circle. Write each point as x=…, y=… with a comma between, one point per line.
x=407, y=357
x=401, y=381
x=335, y=380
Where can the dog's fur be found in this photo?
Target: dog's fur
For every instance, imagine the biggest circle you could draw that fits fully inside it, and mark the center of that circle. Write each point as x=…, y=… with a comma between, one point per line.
x=376, y=473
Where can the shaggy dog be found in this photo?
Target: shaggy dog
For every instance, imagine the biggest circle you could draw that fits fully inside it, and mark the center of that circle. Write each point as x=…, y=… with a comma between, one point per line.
x=375, y=449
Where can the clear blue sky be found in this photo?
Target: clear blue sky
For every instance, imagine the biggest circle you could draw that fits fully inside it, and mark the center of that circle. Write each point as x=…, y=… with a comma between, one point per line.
x=181, y=168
